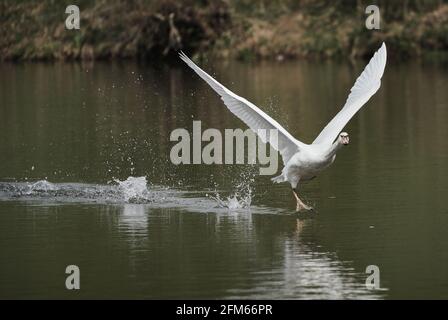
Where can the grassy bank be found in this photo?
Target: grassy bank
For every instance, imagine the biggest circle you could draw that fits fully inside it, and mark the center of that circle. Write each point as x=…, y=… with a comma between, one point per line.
x=243, y=29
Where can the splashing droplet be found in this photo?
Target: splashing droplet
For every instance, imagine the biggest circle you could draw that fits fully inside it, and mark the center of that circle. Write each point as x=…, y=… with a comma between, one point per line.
x=134, y=188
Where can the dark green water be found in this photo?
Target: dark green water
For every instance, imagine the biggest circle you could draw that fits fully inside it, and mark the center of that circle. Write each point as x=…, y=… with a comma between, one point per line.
x=82, y=127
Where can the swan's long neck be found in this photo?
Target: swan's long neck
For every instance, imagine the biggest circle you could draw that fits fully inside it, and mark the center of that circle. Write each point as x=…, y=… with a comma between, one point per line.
x=333, y=149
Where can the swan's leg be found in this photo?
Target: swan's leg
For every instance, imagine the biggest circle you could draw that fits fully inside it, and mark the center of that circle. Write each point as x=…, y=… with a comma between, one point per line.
x=300, y=204
x=297, y=200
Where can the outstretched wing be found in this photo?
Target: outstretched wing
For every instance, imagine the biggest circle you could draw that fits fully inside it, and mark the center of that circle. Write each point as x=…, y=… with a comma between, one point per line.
x=251, y=115
x=365, y=86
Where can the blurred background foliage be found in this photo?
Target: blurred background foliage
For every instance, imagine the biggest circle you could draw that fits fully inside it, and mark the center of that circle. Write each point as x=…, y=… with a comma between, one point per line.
x=244, y=29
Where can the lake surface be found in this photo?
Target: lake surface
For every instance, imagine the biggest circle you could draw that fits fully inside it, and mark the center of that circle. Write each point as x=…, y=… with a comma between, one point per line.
x=86, y=179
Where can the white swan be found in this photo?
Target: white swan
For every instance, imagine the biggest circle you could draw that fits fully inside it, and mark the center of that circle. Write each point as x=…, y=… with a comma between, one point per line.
x=303, y=161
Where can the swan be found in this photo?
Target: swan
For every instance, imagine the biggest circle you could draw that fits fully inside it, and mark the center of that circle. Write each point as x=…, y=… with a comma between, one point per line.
x=303, y=161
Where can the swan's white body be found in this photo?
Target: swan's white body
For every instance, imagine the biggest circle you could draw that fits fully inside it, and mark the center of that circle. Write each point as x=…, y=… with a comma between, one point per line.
x=303, y=161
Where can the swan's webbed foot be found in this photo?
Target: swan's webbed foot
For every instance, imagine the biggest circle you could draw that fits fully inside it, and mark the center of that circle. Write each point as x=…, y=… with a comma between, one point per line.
x=302, y=206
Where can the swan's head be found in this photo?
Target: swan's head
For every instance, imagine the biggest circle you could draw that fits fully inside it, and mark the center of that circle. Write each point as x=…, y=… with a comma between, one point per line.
x=344, y=138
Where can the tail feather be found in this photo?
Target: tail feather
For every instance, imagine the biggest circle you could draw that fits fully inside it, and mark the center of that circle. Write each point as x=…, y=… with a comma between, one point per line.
x=278, y=179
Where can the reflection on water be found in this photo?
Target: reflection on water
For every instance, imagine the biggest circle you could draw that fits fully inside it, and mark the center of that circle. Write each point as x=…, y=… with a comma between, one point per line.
x=134, y=218
x=306, y=271
x=73, y=134
x=164, y=253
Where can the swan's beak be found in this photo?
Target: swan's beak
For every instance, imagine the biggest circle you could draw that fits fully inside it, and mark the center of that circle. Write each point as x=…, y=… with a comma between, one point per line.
x=345, y=140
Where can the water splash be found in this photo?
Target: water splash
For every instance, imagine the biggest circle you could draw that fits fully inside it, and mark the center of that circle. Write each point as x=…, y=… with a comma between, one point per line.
x=131, y=190
x=241, y=198
x=134, y=189
x=42, y=185
x=233, y=202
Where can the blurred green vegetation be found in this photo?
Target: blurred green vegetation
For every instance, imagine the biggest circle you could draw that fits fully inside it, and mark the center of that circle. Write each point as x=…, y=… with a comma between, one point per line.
x=243, y=29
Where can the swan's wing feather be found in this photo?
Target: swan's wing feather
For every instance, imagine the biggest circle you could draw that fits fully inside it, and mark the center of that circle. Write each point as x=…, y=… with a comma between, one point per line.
x=251, y=115
x=365, y=86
